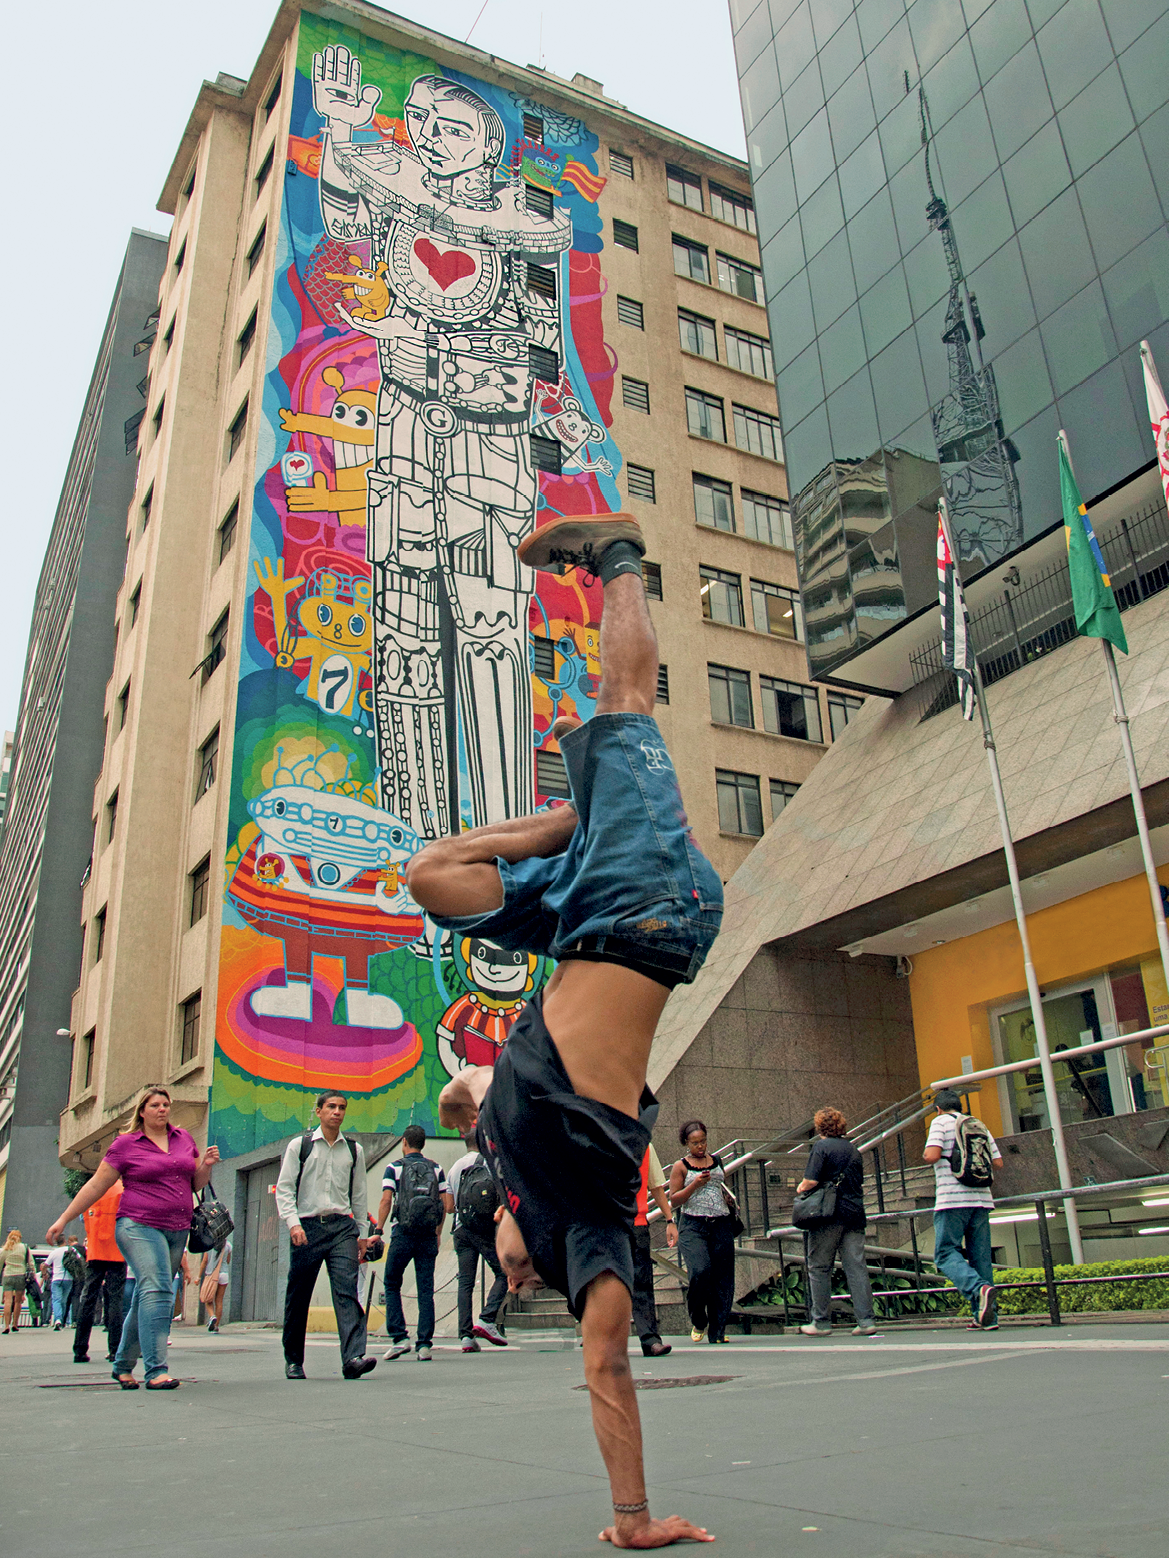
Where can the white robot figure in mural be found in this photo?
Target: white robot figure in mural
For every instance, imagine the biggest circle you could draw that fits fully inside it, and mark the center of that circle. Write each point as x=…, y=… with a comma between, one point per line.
x=452, y=490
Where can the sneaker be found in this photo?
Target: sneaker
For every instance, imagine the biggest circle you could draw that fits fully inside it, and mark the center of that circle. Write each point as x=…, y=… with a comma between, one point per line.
x=212, y=1325
x=56, y=1325
x=696, y=1335
x=424, y=1354
x=397, y=1350
x=578, y=543
x=469, y=1344
x=986, y=1304
x=491, y=1333
x=815, y=1330
x=864, y=1330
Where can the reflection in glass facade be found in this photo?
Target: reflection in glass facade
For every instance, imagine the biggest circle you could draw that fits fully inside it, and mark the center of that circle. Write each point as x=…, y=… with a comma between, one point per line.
x=961, y=206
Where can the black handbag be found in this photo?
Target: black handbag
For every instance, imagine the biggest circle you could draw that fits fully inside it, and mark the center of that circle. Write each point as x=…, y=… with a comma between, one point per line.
x=210, y=1223
x=732, y=1206
x=816, y=1208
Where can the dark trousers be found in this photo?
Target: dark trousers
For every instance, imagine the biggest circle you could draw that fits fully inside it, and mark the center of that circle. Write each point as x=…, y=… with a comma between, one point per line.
x=108, y=1278
x=645, y=1315
x=420, y=1246
x=332, y=1240
x=708, y=1248
x=470, y=1245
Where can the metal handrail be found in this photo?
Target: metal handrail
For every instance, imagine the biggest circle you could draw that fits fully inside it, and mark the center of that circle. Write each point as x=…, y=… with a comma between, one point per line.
x=1118, y=1042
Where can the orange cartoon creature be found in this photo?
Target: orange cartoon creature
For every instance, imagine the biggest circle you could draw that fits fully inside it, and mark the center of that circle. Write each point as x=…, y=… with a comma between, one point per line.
x=351, y=428
x=368, y=287
x=338, y=634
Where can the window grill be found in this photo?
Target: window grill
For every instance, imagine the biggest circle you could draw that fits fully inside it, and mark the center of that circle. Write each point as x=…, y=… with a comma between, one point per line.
x=641, y=483
x=620, y=164
x=625, y=235
x=630, y=312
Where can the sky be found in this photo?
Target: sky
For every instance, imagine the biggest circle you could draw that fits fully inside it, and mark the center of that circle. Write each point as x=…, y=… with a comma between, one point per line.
x=103, y=104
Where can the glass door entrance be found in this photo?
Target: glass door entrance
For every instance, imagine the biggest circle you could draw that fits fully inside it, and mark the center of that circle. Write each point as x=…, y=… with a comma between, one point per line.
x=1088, y=1089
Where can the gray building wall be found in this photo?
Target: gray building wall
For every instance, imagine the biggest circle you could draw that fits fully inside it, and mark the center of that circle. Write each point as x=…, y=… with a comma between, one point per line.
x=48, y=834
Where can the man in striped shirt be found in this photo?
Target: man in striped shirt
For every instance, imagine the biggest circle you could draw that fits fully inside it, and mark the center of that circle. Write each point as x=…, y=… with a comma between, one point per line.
x=961, y=1216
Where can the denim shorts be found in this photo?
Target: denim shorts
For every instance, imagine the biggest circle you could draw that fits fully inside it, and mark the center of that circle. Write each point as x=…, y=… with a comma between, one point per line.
x=632, y=886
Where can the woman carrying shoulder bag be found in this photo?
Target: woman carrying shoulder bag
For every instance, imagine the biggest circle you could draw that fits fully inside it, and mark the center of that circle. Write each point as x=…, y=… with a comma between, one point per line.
x=160, y=1169
x=706, y=1237
x=835, y=1161
x=17, y=1264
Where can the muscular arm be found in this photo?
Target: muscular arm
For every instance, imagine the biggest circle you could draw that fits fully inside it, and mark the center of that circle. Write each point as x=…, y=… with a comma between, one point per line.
x=460, y=1100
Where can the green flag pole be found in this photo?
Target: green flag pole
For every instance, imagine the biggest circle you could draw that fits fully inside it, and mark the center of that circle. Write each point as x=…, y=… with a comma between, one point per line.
x=1120, y=715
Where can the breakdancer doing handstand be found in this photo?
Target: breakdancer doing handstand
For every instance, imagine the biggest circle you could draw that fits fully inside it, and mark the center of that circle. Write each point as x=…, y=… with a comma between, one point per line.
x=614, y=887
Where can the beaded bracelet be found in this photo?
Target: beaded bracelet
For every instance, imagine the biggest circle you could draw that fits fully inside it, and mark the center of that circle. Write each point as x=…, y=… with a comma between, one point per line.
x=631, y=1509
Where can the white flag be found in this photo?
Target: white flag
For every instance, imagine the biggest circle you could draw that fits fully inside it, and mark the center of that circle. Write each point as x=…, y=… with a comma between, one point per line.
x=1158, y=414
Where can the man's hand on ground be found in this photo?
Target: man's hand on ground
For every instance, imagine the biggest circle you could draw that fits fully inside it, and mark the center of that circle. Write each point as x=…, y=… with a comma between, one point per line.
x=657, y=1533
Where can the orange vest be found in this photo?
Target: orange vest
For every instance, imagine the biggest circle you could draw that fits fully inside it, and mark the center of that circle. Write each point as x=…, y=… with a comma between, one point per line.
x=100, y=1243
x=642, y=1218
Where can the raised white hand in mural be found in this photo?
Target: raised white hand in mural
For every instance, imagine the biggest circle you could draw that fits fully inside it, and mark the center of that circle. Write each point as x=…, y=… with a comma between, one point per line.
x=338, y=94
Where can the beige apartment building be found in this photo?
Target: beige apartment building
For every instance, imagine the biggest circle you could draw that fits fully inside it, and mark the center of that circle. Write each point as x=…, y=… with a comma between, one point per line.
x=227, y=954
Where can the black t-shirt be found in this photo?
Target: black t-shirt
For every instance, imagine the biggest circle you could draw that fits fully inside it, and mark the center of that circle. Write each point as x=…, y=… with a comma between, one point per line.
x=568, y=1168
x=832, y=1157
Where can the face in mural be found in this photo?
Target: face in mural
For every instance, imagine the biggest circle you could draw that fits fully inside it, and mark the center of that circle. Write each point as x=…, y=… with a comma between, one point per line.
x=501, y=973
x=451, y=134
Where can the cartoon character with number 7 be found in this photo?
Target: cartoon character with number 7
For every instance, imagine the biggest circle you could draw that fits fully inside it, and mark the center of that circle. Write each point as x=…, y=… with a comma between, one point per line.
x=337, y=638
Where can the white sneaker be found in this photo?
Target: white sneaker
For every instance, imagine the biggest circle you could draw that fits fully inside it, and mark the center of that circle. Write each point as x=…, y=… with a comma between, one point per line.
x=424, y=1355
x=491, y=1333
x=864, y=1330
x=816, y=1330
x=471, y=1345
x=396, y=1351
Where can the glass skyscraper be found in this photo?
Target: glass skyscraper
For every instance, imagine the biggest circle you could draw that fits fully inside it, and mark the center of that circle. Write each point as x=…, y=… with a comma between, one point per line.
x=962, y=213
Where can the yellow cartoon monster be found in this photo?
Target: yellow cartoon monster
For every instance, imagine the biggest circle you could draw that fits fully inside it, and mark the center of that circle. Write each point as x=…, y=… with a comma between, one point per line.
x=350, y=427
x=338, y=634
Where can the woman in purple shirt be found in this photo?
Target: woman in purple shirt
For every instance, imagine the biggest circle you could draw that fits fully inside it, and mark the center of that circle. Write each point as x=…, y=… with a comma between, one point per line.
x=160, y=1169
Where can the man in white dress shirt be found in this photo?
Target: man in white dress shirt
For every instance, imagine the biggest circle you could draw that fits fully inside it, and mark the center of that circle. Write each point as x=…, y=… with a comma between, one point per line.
x=321, y=1195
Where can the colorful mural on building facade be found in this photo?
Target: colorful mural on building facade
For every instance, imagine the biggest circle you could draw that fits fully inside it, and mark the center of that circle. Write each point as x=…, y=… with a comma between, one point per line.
x=435, y=352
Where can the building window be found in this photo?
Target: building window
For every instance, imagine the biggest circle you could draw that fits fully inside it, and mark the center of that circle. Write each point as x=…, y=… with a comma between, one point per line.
x=123, y=706
x=544, y=364
x=227, y=530
x=542, y=280
x=208, y=763
x=189, y=1014
x=757, y=433
x=729, y=206
x=730, y=696
x=625, y=235
x=156, y=420
x=235, y=433
x=697, y=334
x=534, y=128
x=651, y=574
x=111, y=817
x=551, y=775
x=189, y=186
x=790, y=709
x=739, y=806
x=147, y=505
x=546, y=454
x=713, y=503
x=181, y=257
x=135, y=603
x=662, y=694
x=272, y=99
x=99, y=935
x=683, y=188
x=782, y=791
x=265, y=171
x=745, y=281
x=544, y=658
x=691, y=260
x=705, y=416
x=841, y=709
x=722, y=596
x=630, y=312
x=537, y=200
x=168, y=339
x=620, y=164
x=641, y=483
x=216, y=649
x=255, y=253
x=635, y=395
x=776, y=611
x=749, y=353
x=767, y=519
x=130, y=431
x=200, y=880
x=88, y=1046
x=243, y=343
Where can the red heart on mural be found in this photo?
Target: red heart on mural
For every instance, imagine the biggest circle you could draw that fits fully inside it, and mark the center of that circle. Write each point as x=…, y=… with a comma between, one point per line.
x=445, y=269
x=297, y=467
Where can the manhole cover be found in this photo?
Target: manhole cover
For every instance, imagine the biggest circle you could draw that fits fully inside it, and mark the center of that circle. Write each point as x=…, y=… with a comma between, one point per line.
x=82, y=1384
x=676, y=1384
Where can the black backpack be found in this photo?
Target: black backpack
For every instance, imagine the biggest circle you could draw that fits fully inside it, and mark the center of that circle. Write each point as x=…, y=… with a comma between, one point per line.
x=74, y=1263
x=970, y=1156
x=418, y=1203
x=306, y=1147
x=478, y=1198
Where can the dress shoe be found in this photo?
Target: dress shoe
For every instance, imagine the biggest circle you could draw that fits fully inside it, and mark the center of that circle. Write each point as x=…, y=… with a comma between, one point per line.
x=657, y=1349
x=358, y=1367
x=84, y=1358
x=294, y=1371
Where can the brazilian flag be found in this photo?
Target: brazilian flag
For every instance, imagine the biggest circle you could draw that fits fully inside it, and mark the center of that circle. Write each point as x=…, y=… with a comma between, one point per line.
x=1097, y=614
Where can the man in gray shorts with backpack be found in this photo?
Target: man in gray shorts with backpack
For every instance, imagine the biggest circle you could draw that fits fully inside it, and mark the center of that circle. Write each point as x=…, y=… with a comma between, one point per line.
x=476, y=1216
x=964, y=1155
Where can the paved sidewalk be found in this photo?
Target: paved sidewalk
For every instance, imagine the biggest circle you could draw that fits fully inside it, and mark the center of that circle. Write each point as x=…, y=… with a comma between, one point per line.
x=918, y=1443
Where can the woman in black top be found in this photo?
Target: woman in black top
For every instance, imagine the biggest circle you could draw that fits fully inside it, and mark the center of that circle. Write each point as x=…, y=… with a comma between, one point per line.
x=834, y=1160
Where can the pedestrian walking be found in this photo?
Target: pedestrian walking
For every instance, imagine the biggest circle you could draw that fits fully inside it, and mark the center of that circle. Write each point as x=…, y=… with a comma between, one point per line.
x=645, y=1314
x=476, y=1213
x=161, y=1171
x=834, y=1161
x=706, y=1237
x=321, y=1195
x=213, y=1280
x=964, y=1155
x=105, y=1281
x=16, y=1266
x=614, y=888
x=416, y=1198
x=58, y=1283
